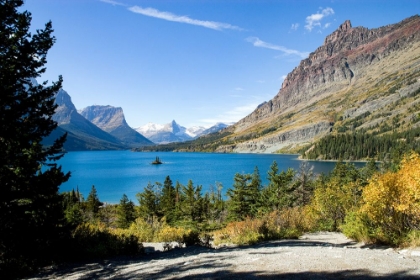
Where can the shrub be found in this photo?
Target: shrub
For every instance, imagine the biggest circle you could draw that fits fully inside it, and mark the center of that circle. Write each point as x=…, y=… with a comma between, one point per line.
x=413, y=239
x=331, y=203
x=98, y=241
x=142, y=230
x=391, y=203
x=288, y=223
x=241, y=233
x=171, y=234
x=357, y=227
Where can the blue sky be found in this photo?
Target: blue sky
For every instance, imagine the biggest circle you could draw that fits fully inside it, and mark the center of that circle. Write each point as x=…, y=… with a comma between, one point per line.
x=195, y=61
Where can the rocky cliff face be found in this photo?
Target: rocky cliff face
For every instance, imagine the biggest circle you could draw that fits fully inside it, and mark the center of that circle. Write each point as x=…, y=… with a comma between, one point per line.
x=112, y=120
x=107, y=118
x=83, y=135
x=351, y=62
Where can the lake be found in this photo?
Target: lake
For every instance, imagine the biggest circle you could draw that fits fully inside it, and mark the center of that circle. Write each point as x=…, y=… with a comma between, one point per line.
x=114, y=173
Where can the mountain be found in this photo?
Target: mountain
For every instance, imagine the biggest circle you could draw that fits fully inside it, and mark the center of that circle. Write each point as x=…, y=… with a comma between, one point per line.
x=215, y=128
x=82, y=134
x=173, y=132
x=359, y=93
x=167, y=133
x=360, y=79
x=112, y=120
x=195, y=131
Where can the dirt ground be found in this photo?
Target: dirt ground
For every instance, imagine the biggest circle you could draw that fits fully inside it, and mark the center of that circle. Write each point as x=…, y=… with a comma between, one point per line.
x=321, y=255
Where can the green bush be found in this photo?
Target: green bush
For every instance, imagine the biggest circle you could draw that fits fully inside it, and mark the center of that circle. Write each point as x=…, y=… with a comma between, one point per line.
x=413, y=239
x=98, y=241
x=142, y=230
x=357, y=227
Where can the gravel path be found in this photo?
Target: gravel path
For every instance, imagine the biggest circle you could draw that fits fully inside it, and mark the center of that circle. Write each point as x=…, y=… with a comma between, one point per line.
x=319, y=255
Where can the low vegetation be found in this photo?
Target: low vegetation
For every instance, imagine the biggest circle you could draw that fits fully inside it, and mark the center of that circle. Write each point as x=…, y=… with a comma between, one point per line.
x=371, y=204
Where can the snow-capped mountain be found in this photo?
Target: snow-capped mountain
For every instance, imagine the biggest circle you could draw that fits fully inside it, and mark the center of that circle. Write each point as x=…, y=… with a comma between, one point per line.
x=215, y=128
x=173, y=132
x=167, y=133
x=195, y=131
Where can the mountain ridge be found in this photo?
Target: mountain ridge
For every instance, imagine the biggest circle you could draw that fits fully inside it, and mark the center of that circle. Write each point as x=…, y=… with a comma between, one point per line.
x=173, y=132
x=82, y=134
x=111, y=119
x=359, y=80
x=351, y=63
x=166, y=133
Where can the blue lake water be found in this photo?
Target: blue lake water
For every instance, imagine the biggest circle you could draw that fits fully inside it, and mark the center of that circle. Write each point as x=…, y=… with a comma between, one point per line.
x=114, y=173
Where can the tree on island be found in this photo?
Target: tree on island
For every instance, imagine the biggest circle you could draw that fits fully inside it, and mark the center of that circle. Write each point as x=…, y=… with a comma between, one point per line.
x=30, y=206
x=157, y=161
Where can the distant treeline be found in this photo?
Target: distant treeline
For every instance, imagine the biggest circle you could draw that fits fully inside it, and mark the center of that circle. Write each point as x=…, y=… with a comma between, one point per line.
x=359, y=144
x=206, y=143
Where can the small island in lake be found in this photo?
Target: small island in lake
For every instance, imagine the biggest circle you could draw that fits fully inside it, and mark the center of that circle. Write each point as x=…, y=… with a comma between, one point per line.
x=157, y=161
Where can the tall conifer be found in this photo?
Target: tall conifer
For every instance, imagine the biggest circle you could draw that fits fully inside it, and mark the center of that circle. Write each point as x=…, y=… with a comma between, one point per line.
x=30, y=206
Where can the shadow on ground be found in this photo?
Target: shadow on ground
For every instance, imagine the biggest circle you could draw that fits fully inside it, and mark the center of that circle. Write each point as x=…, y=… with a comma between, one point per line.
x=211, y=265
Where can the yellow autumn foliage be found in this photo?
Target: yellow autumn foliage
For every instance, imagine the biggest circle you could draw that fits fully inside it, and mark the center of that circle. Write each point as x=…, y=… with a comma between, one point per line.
x=143, y=230
x=331, y=203
x=240, y=232
x=287, y=223
x=391, y=201
x=172, y=234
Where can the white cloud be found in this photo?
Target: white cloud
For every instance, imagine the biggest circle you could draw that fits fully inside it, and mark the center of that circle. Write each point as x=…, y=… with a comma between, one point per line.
x=295, y=26
x=239, y=89
x=182, y=19
x=234, y=115
x=259, y=43
x=112, y=2
x=315, y=19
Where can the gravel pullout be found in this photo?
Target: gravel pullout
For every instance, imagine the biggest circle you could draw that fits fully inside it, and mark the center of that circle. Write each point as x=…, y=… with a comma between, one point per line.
x=321, y=255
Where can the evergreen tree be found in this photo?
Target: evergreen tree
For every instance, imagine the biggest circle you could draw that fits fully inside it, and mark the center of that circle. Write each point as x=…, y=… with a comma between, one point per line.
x=254, y=192
x=167, y=202
x=149, y=203
x=188, y=201
x=216, y=205
x=177, y=211
x=30, y=205
x=368, y=171
x=192, y=204
x=239, y=205
x=93, y=203
x=72, y=208
x=126, y=213
x=199, y=204
x=278, y=193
